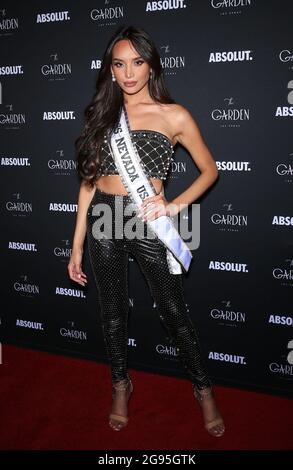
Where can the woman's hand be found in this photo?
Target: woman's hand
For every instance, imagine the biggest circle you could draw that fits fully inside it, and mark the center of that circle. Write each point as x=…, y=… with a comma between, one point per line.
x=154, y=207
x=74, y=267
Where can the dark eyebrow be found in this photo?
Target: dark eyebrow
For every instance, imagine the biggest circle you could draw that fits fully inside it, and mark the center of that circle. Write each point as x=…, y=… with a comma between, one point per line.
x=116, y=58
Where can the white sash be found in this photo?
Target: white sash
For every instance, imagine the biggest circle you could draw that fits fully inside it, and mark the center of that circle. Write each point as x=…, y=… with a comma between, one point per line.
x=139, y=187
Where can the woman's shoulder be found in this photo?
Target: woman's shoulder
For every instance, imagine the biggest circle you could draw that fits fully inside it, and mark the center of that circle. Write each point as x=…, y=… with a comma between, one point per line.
x=176, y=111
x=177, y=114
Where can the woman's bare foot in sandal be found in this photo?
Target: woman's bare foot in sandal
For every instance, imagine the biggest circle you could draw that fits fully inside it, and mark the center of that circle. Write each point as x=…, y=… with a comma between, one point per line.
x=121, y=392
x=214, y=423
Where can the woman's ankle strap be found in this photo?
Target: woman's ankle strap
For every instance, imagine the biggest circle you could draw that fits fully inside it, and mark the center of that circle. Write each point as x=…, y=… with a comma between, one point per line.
x=121, y=385
x=203, y=393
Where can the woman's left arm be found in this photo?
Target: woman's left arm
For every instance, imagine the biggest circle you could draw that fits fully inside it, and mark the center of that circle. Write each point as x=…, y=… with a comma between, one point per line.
x=188, y=135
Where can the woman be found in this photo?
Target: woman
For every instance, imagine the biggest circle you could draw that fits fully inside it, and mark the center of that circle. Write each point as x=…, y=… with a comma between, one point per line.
x=131, y=78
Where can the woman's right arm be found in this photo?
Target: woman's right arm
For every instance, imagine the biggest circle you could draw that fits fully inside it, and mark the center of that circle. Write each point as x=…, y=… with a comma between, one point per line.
x=74, y=267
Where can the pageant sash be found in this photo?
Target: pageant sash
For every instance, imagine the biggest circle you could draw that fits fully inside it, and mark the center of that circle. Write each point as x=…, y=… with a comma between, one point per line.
x=139, y=187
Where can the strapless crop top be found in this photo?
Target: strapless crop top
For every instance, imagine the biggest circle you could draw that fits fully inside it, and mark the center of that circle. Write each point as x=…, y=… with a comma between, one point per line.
x=155, y=151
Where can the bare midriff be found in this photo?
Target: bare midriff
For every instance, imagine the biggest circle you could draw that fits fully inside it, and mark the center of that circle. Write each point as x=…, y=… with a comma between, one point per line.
x=112, y=184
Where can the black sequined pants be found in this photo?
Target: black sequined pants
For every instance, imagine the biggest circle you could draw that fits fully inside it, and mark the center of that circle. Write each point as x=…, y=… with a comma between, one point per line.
x=108, y=252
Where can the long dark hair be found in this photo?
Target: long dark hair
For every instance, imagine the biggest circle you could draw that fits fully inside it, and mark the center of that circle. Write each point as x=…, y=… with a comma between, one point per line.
x=102, y=113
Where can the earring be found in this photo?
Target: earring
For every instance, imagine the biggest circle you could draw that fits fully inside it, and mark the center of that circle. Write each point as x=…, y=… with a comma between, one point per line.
x=113, y=78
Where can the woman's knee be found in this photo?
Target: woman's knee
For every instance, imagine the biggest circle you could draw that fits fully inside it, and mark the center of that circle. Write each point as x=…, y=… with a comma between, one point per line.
x=172, y=309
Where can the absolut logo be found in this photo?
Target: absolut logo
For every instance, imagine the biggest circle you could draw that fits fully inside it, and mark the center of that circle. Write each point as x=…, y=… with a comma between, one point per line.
x=228, y=219
x=96, y=64
x=61, y=166
x=63, y=251
x=53, y=17
x=56, y=69
x=286, y=111
x=230, y=3
x=230, y=115
x=73, y=334
x=165, y=5
x=7, y=24
x=281, y=369
x=225, y=357
x=233, y=166
x=62, y=207
x=11, y=70
x=106, y=14
x=228, y=266
x=65, y=291
x=230, y=56
x=15, y=161
x=25, y=288
x=227, y=314
x=281, y=320
x=282, y=220
x=19, y=207
x=22, y=246
x=58, y=116
x=167, y=350
x=29, y=324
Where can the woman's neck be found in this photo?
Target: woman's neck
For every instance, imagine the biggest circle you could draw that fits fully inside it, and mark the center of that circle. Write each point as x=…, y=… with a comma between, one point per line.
x=142, y=97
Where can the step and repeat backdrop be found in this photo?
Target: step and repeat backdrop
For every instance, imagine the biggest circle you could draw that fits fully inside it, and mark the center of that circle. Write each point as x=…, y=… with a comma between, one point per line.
x=230, y=63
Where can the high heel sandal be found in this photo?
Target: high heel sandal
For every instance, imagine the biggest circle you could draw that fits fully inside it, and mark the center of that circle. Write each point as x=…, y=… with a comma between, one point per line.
x=122, y=420
x=216, y=426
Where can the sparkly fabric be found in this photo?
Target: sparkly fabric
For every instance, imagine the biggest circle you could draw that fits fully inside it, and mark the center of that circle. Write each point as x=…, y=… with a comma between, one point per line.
x=155, y=151
x=109, y=262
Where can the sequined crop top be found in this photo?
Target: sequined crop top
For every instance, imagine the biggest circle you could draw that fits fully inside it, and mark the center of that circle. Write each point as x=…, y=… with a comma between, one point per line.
x=155, y=151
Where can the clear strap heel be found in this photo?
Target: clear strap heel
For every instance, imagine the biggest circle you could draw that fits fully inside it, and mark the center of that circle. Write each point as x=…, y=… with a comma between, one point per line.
x=216, y=426
x=118, y=388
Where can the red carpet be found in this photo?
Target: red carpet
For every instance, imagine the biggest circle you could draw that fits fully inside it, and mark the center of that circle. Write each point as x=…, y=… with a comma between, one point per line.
x=54, y=402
